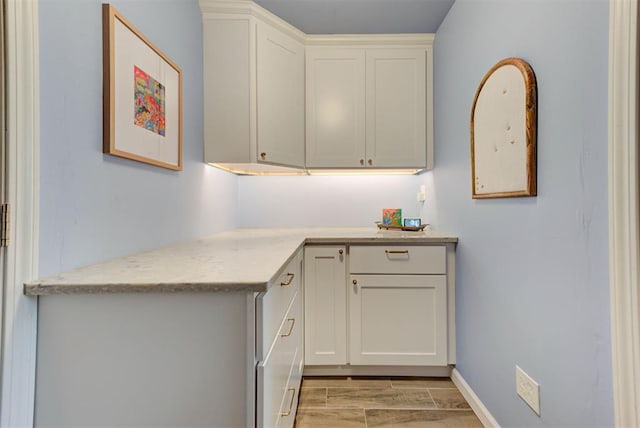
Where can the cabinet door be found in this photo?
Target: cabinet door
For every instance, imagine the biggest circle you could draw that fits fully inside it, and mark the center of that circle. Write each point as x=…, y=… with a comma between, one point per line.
x=396, y=108
x=325, y=306
x=398, y=320
x=280, y=98
x=335, y=108
x=228, y=89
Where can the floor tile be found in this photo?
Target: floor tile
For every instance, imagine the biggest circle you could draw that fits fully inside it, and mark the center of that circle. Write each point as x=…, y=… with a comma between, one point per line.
x=330, y=418
x=430, y=382
x=379, y=398
x=346, y=382
x=313, y=397
x=421, y=419
x=448, y=399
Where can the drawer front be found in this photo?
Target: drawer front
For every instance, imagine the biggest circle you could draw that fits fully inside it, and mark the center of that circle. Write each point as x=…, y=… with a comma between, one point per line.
x=289, y=405
x=271, y=307
x=290, y=399
x=276, y=375
x=398, y=259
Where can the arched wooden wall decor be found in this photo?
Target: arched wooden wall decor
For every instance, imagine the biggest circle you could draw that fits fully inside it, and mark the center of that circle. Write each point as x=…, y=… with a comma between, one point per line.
x=503, y=132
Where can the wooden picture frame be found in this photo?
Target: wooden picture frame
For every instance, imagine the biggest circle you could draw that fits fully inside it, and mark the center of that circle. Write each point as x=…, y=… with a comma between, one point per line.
x=504, y=132
x=142, y=96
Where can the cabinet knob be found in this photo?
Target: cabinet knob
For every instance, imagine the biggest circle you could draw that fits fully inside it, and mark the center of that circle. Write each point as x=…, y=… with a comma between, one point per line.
x=263, y=155
x=361, y=161
x=341, y=251
x=370, y=162
x=355, y=282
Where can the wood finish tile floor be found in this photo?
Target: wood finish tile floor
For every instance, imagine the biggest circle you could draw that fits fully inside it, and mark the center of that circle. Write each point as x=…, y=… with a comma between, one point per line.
x=343, y=402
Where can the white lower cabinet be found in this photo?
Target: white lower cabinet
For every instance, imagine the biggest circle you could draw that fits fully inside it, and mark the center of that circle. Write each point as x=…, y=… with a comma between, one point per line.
x=278, y=375
x=398, y=320
x=279, y=350
x=395, y=308
x=325, y=307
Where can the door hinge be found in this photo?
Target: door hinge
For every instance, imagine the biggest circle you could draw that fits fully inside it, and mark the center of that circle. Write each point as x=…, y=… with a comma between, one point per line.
x=5, y=225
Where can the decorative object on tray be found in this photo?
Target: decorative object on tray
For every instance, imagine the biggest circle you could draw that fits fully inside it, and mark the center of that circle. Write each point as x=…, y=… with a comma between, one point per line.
x=392, y=216
x=420, y=228
x=412, y=222
x=503, y=132
x=142, y=96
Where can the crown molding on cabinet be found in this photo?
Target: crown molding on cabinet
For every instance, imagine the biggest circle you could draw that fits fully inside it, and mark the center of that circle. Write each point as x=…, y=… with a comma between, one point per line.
x=418, y=39
x=248, y=7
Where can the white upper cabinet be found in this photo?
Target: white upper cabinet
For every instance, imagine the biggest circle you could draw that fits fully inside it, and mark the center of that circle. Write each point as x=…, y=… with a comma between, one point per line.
x=276, y=98
x=335, y=107
x=396, y=108
x=280, y=97
x=253, y=88
x=369, y=106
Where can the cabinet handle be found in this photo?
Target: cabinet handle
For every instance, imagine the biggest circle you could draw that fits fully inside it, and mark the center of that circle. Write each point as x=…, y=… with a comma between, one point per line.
x=288, y=412
x=293, y=322
x=263, y=155
x=396, y=251
x=361, y=161
x=341, y=251
x=355, y=282
x=370, y=162
x=291, y=276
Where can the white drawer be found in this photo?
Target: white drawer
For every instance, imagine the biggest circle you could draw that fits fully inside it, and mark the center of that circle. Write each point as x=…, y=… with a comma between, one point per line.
x=394, y=259
x=277, y=375
x=290, y=400
x=289, y=405
x=271, y=307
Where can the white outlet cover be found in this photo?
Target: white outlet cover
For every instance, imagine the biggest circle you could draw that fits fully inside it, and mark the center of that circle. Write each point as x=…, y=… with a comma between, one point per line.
x=528, y=389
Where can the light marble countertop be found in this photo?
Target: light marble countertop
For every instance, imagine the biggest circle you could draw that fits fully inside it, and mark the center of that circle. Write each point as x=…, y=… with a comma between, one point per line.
x=240, y=260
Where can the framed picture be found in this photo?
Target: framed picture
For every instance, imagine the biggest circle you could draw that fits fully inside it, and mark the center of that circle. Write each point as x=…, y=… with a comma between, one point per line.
x=503, y=132
x=142, y=117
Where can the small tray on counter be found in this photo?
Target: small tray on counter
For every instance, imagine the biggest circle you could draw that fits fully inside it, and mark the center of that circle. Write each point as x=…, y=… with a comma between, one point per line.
x=401, y=228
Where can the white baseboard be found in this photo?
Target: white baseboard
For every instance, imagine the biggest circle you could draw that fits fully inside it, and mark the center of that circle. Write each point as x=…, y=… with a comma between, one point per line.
x=481, y=411
x=348, y=370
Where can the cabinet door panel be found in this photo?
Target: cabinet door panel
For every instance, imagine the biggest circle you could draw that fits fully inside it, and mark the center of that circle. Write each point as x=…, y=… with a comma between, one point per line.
x=398, y=320
x=396, y=108
x=280, y=99
x=228, y=85
x=325, y=306
x=335, y=107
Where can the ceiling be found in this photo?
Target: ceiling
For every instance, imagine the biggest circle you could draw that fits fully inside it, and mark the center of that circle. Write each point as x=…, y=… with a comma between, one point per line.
x=361, y=16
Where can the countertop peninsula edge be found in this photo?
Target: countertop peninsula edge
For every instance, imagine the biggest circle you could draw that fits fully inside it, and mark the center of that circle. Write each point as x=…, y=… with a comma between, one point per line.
x=244, y=260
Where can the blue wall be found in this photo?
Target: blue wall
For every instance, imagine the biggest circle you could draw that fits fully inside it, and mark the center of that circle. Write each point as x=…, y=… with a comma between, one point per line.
x=532, y=273
x=94, y=206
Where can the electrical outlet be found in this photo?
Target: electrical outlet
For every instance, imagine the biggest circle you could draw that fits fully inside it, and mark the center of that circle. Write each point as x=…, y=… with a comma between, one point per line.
x=422, y=194
x=528, y=389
